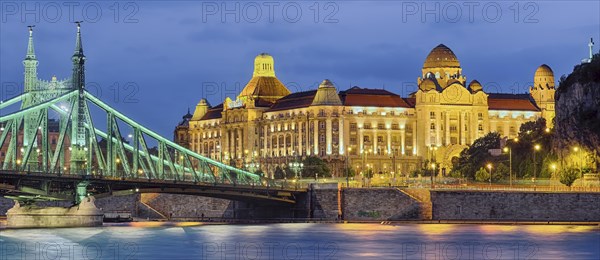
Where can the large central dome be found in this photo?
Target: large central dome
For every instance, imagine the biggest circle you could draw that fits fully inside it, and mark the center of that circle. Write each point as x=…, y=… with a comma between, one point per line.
x=441, y=56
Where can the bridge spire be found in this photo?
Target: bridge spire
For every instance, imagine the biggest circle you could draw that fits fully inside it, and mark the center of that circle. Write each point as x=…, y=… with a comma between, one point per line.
x=78, y=134
x=78, y=61
x=30, y=62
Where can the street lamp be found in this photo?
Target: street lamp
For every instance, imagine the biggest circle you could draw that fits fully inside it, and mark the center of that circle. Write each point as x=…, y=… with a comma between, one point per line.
x=296, y=167
x=432, y=173
x=536, y=148
x=577, y=150
x=489, y=166
x=348, y=169
x=553, y=166
x=509, y=151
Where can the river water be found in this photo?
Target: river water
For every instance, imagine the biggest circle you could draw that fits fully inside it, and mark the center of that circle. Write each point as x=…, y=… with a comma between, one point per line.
x=186, y=240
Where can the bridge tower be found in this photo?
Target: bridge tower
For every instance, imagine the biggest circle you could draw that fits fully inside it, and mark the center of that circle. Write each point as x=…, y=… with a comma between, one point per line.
x=31, y=85
x=79, y=149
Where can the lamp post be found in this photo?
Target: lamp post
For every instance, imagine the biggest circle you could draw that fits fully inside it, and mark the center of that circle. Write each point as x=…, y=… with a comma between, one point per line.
x=509, y=150
x=393, y=169
x=536, y=148
x=296, y=167
x=432, y=173
x=579, y=151
x=348, y=169
x=489, y=166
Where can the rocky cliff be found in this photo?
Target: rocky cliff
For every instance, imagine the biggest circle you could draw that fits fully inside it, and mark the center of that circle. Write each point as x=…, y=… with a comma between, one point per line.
x=577, y=120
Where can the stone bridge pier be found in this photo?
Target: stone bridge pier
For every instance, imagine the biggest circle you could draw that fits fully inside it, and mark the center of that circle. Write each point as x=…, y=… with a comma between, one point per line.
x=84, y=214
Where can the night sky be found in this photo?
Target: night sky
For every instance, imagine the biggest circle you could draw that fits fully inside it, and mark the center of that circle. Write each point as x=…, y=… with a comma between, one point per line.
x=154, y=60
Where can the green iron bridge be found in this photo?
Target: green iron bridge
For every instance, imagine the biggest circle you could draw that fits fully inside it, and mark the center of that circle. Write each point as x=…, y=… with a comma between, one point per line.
x=53, y=151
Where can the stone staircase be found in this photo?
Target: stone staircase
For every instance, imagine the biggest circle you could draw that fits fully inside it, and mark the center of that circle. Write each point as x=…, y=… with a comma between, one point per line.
x=148, y=212
x=423, y=198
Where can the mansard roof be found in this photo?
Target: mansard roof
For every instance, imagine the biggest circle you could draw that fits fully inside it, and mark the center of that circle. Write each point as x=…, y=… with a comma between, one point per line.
x=213, y=112
x=366, y=97
x=294, y=100
x=503, y=101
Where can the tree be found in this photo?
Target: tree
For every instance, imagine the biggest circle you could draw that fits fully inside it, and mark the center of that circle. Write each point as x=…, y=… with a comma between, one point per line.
x=482, y=175
x=314, y=165
x=500, y=172
x=349, y=171
x=279, y=173
x=568, y=176
x=471, y=159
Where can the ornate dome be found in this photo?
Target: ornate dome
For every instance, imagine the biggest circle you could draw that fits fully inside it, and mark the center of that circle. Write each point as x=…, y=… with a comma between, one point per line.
x=475, y=86
x=544, y=71
x=264, y=85
x=427, y=85
x=441, y=56
x=544, y=77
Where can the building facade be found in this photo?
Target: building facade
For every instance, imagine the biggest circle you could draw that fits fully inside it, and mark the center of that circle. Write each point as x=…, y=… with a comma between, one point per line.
x=366, y=129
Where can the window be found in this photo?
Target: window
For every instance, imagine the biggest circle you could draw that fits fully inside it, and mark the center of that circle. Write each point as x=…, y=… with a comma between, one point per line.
x=394, y=126
x=321, y=125
x=480, y=127
x=367, y=126
x=366, y=138
x=380, y=139
x=480, y=116
x=432, y=126
x=453, y=140
x=353, y=140
x=322, y=138
x=352, y=126
x=432, y=115
x=453, y=128
x=380, y=126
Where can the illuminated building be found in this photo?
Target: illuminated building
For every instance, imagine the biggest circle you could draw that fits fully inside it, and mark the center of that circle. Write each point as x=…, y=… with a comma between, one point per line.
x=373, y=128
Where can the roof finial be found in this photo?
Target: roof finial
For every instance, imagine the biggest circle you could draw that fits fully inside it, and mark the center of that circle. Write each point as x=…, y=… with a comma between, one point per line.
x=78, y=44
x=30, y=49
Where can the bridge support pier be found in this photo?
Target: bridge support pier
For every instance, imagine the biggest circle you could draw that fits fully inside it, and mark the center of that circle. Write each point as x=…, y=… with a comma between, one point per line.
x=85, y=214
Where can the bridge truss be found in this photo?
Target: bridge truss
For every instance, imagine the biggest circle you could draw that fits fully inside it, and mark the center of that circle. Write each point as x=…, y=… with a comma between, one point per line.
x=54, y=134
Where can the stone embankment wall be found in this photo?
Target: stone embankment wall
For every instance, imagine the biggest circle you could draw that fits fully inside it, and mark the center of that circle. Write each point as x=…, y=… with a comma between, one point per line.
x=379, y=204
x=328, y=202
x=187, y=206
x=526, y=206
x=324, y=201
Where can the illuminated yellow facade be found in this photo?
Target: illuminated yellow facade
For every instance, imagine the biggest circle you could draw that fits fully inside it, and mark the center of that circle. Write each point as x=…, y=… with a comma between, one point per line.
x=267, y=125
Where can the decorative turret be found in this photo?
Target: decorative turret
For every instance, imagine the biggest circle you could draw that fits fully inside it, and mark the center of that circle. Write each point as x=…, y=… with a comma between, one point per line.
x=326, y=95
x=542, y=92
x=264, y=65
x=30, y=62
x=200, y=110
x=475, y=86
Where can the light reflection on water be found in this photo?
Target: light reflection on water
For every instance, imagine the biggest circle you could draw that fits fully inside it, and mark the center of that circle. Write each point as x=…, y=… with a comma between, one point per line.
x=186, y=240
